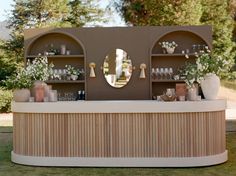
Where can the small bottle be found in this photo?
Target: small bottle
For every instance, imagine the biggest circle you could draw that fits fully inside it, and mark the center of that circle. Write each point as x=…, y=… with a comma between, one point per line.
x=83, y=95
x=78, y=97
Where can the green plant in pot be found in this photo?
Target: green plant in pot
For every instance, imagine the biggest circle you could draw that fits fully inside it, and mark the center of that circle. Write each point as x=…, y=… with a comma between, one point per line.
x=72, y=72
x=39, y=71
x=20, y=83
x=206, y=72
x=210, y=67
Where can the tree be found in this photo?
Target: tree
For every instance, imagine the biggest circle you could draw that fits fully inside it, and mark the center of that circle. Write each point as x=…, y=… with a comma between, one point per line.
x=44, y=13
x=83, y=12
x=184, y=12
x=161, y=12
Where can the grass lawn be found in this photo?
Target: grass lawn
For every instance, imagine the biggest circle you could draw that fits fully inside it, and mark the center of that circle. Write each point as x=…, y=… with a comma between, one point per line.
x=7, y=168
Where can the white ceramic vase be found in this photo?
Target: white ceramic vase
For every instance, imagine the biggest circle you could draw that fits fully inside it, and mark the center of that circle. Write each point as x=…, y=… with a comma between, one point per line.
x=74, y=77
x=210, y=86
x=21, y=95
x=170, y=50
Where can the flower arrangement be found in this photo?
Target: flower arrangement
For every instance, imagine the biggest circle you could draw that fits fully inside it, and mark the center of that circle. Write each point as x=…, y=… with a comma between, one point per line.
x=21, y=80
x=39, y=69
x=70, y=70
x=206, y=63
x=168, y=44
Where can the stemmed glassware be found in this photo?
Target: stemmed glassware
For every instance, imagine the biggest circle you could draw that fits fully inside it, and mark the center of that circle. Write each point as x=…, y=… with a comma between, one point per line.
x=162, y=73
x=166, y=73
x=171, y=72
x=153, y=73
x=158, y=73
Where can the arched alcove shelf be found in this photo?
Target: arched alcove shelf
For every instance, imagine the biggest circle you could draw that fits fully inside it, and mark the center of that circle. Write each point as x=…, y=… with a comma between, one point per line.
x=189, y=42
x=54, y=40
x=42, y=44
x=184, y=39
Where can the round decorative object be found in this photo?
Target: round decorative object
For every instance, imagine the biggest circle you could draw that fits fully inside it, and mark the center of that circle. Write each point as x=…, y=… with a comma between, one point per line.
x=170, y=50
x=210, y=86
x=74, y=77
x=21, y=95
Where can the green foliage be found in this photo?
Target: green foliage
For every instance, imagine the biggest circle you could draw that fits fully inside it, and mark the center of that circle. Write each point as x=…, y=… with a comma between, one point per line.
x=5, y=100
x=185, y=12
x=216, y=13
x=42, y=13
x=20, y=80
x=82, y=12
x=161, y=12
x=8, y=67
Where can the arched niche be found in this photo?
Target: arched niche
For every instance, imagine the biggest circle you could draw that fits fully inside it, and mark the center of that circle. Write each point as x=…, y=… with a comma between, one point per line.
x=184, y=39
x=45, y=41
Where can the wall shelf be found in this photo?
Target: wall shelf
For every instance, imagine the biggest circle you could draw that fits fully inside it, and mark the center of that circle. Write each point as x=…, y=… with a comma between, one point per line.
x=64, y=81
x=174, y=54
x=57, y=56
x=166, y=80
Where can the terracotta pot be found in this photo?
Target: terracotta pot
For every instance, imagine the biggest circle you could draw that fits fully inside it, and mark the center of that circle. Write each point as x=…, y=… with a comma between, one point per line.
x=21, y=95
x=40, y=91
x=210, y=86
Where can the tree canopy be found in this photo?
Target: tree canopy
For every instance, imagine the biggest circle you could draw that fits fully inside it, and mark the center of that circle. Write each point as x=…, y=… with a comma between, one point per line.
x=217, y=13
x=44, y=13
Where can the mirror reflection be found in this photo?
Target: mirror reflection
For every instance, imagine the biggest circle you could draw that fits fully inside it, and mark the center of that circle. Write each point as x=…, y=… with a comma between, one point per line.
x=117, y=68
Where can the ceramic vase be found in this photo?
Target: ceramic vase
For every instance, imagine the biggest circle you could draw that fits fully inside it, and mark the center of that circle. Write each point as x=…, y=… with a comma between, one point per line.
x=74, y=77
x=170, y=50
x=210, y=86
x=21, y=95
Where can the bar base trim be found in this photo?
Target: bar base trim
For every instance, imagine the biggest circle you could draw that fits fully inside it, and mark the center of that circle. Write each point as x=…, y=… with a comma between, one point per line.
x=120, y=162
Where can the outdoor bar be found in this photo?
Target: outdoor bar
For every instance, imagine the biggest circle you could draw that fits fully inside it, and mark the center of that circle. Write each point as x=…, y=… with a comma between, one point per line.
x=117, y=113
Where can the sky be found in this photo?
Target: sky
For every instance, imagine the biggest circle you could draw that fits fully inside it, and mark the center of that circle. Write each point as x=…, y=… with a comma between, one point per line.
x=5, y=7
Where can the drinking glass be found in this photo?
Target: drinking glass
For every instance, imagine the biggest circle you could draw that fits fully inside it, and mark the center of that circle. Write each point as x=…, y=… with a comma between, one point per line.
x=55, y=72
x=161, y=72
x=66, y=97
x=153, y=73
x=199, y=47
x=60, y=73
x=171, y=72
x=158, y=73
x=194, y=48
x=166, y=73
x=64, y=74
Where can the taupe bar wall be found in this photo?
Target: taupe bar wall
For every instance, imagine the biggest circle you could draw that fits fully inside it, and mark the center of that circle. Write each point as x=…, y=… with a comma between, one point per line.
x=141, y=44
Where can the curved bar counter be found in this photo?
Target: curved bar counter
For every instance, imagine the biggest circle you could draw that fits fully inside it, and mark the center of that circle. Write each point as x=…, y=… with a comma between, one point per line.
x=120, y=133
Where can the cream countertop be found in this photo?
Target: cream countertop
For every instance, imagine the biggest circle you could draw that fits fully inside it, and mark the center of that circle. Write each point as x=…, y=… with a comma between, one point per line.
x=131, y=106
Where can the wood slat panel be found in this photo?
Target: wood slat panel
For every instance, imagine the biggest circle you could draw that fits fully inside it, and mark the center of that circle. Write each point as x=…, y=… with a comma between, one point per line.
x=119, y=135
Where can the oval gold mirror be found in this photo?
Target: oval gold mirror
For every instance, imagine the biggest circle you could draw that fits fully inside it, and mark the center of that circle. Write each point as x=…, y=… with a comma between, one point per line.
x=117, y=68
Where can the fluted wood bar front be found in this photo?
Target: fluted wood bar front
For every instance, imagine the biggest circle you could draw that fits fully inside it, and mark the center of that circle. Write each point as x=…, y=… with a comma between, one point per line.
x=113, y=133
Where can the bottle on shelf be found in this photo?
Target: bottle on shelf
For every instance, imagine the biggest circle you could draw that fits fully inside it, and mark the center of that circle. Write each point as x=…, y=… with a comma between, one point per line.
x=80, y=95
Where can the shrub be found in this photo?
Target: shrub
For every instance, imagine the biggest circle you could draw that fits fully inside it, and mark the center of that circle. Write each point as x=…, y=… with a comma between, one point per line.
x=5, y=100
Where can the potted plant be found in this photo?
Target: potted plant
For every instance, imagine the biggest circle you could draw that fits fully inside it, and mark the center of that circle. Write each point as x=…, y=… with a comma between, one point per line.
x=20, y=83
x=206, y=71
x=72, y=72
x=39, y=71
x=210, y=67
x=168, y=46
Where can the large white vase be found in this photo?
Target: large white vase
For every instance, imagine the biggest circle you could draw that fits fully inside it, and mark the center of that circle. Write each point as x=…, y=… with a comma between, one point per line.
x=21, y=95
x=210, y=86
